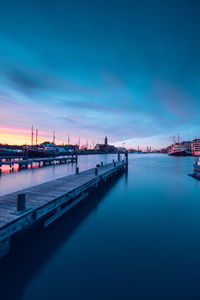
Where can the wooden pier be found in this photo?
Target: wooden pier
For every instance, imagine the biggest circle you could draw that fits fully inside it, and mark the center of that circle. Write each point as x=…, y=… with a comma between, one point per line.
x=48, y=201
x=24, y=163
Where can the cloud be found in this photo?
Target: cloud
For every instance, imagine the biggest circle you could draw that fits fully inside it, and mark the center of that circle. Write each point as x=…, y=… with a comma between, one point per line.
x=28, y=81
x=25, y=80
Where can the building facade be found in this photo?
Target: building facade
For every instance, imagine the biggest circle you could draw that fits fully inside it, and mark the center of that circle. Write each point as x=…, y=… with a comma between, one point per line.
x=196, y=147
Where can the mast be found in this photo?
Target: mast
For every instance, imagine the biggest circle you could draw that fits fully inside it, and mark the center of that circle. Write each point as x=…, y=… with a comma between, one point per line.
x=36, y=137
x=178, y=138
x=32, y=135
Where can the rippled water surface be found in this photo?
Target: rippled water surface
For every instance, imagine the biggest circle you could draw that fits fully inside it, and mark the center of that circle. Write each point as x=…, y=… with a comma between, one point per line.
x=138, y=238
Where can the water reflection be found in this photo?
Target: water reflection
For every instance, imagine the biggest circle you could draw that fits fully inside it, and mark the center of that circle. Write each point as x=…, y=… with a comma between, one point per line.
x=140, y=240
x=31, y=249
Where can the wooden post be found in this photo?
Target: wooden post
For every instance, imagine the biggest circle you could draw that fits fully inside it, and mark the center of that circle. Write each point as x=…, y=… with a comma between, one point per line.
x=126, y=157
x=96, y=171
x=21, y=202
x=77, y=170
x=118, y=155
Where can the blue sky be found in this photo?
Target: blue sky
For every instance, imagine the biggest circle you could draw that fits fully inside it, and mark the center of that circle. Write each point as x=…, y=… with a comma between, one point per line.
x=126, y=69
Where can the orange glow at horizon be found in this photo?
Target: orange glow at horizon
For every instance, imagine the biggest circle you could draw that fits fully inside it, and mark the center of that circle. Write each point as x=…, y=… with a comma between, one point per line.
x=22, y=136
x=18, y=136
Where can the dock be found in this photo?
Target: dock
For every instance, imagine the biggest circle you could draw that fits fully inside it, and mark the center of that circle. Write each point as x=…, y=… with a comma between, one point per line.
x=25, y=162
x=46, y=202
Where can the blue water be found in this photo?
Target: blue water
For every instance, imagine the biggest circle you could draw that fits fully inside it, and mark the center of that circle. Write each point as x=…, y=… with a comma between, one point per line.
x=138, y=238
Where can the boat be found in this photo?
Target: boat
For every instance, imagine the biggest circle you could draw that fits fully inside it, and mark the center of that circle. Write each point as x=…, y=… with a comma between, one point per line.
x=43, y=150
x=38, y=153
x=47, y=150
x=178, y=150
x=197, y=167
x=11, y=152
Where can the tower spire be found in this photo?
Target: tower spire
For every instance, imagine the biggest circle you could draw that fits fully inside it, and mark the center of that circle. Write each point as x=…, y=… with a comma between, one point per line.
x=54, y=137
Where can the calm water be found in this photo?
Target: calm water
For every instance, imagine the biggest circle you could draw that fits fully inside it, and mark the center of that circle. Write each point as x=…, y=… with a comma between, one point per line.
x=139, y=238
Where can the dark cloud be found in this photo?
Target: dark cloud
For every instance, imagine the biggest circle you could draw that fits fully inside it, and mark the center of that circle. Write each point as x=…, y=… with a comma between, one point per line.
x=25, y=81
x=31, y=82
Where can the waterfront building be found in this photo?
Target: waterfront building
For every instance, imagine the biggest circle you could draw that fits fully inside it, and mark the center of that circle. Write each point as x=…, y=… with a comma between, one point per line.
x=195, y=147
x=105, y=147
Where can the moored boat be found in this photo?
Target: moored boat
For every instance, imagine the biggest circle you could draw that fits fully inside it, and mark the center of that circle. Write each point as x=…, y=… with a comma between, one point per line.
x=178, y=151
x=197, y=167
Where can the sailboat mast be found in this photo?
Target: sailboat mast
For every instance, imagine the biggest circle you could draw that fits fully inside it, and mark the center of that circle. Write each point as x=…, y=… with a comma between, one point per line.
x=32, y=135
x=36, y=136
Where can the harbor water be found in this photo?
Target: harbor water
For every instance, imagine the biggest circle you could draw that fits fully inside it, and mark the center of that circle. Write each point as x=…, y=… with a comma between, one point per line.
x=137, y=238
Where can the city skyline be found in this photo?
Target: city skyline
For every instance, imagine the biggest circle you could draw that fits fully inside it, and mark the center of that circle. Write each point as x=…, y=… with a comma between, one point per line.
x=128, y=70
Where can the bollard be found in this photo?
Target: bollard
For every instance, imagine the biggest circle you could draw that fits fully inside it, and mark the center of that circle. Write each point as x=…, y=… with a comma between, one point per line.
x=96, y=171
x=77, y=170
x=21, y=202
x=118, y=155
x=101, y=164
x=126, y=156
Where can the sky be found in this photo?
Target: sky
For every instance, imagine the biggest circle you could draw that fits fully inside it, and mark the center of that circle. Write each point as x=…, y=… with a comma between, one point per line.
x=126, y=69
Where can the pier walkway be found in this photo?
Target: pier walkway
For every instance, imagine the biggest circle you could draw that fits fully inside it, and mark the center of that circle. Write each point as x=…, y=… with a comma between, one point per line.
x=50, y=200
